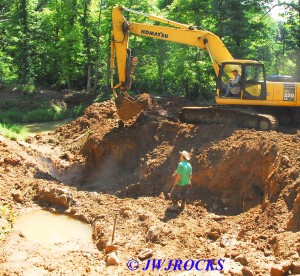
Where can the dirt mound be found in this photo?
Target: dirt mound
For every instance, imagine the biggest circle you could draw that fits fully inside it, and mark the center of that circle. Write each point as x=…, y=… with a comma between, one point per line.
x=243, y=206
x=233, y=170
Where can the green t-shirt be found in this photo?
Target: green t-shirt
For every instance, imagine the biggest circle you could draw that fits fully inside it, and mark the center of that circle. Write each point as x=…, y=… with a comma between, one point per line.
x=185, y=170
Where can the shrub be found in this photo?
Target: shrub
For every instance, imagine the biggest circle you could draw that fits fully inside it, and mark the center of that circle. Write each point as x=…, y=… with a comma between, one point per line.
x=11, y=116
x=27, y=88
x=45, y=114
x=77, y=110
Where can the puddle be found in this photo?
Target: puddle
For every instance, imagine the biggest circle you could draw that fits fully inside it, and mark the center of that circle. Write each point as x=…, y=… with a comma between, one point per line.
x=49, y=228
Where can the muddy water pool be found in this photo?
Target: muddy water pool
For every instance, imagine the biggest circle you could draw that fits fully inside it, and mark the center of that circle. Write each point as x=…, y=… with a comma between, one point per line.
x=49, y=228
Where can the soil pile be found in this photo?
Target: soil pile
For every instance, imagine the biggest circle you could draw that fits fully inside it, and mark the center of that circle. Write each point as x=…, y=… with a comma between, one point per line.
x=244, y=204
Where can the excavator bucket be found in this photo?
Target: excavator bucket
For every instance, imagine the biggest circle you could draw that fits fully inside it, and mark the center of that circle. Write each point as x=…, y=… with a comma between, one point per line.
x=128, y=107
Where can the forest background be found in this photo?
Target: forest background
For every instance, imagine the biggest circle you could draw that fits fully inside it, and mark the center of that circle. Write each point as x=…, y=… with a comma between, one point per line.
x=66, y=44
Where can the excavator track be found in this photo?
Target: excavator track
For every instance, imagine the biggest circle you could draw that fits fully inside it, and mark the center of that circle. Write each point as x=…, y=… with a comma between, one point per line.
x=229, y=116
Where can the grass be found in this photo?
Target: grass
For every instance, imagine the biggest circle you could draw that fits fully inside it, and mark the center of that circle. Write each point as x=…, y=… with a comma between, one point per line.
x=45, y=114
x=18, y=110
x=8, y=216
x=53, y=112
x=11, y=120
x=13, y=131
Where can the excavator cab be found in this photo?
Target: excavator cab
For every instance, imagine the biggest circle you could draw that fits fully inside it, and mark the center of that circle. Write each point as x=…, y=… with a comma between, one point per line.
x=252, y=83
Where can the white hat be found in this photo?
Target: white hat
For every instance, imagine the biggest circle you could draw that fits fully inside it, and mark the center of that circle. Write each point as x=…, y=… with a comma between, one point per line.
x=185, y=154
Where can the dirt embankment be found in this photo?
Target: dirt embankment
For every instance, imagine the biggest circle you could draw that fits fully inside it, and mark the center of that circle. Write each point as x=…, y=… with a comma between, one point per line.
x=244, y=204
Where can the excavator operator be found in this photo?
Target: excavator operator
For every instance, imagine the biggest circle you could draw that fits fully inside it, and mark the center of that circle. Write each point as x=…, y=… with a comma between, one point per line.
x=233, y=87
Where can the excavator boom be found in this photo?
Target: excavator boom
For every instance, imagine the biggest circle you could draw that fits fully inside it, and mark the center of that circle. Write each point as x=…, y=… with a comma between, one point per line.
x=128, y=106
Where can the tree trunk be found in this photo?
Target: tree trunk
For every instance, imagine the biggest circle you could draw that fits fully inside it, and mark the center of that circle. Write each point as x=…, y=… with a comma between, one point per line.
x=96, y=67
x=87, y=43
x=24, y=65
x=89, y=78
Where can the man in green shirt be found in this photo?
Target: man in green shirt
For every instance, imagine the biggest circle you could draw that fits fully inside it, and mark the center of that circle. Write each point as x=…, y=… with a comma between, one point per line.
x=182, y=182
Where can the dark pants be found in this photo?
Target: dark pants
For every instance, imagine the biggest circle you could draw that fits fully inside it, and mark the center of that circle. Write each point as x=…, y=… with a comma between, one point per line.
x=179, y=192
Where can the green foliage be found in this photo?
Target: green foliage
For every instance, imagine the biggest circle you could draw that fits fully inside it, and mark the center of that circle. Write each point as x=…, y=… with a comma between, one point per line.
x=6, y=104
x=11, y=116
x=56, y=42
x=52, y=113
x=13, y=131
x=28, y=88
x=76, y=111
x=7, y=72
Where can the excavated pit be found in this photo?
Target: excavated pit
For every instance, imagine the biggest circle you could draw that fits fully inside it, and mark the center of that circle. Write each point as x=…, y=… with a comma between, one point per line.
x=230, y=177
x=234, y=169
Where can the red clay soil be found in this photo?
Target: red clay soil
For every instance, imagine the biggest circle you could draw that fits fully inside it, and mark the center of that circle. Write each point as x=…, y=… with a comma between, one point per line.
x=243, y=209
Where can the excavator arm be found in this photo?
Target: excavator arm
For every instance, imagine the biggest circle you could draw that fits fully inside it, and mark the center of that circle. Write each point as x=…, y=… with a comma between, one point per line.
x=178, y=33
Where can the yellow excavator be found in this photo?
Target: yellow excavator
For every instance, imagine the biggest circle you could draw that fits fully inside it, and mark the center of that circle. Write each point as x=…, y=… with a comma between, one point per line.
x=252, y=103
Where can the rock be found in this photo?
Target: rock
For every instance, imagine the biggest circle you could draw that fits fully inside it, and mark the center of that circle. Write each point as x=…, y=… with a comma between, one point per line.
x=112, y=259
x=110, y=247
x=235, y=272
x=56, y=195
x=285, y=266
x=280, y=269
x=64, y=200
x=295, y=267
x=98, y=231
x=214, y=235
x=218, y=218
x=143, y=217
x=145, y=254
x=294, y=222
x=21, y=234
x=101, y=243
x=247, y=271
x=17, y=196
x=12, y=160
x=268, y=252
x=285, y=160
x=126, y=212
x=241, y=259
x=224, y=241
x=151, y=233
x=227, y=254
x=234, y=252
x=276, y=271
x=68, y=156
